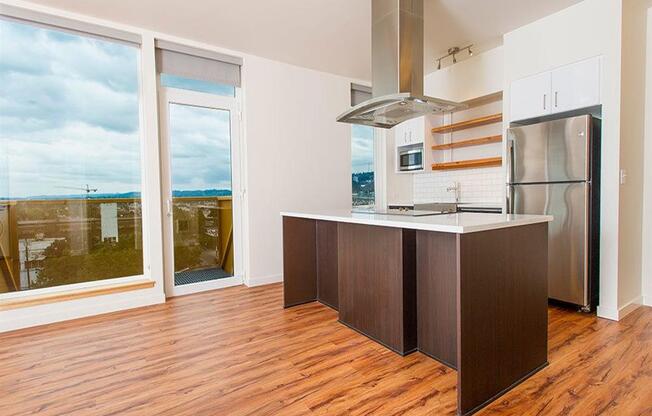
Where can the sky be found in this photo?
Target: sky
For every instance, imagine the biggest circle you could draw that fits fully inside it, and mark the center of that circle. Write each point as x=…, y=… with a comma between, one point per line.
x=69, y=116
x=200, y=147
x=362, y=148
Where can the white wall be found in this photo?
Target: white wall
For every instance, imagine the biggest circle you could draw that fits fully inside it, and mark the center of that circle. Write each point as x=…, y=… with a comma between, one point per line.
x=647, y=191
x=299, y=157
x=477, y=76
x=632, y=133
x=587, y=29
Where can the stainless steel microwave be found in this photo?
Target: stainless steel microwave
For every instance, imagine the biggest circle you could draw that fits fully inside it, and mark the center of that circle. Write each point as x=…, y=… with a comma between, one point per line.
x=410, y=158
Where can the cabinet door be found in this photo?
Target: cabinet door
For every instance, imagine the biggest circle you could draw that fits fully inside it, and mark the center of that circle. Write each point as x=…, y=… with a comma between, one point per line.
x=576, y=86
x=416, y=130
x=409, y=132
x=400, y=135
x=530, y=97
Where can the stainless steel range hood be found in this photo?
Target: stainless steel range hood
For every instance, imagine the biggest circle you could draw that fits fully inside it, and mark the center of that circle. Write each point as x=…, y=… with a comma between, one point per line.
x=396, y=68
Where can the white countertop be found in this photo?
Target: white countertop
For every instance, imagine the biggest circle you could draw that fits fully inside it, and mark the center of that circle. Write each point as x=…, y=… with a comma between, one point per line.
x=460, y=223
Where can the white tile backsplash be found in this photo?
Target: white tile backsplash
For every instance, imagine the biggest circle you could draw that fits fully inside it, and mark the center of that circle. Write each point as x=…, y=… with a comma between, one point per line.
x=484, y=185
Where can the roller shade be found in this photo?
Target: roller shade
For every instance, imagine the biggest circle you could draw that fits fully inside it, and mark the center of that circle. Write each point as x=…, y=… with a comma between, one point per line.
x=359, y=94
x=198, y=64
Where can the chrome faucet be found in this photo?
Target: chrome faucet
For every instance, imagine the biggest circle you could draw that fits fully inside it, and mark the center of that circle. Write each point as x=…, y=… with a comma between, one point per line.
x=455, y=187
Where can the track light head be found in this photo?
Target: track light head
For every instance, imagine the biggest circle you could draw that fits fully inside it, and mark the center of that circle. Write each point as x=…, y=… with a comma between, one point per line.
x=453, y=52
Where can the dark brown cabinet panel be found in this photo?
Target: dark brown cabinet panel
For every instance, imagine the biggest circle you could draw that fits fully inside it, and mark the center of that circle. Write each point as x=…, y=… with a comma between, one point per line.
x=372, y=284
x=502, y=311
x=299, y=261
x=327, y=281
x=437, y=295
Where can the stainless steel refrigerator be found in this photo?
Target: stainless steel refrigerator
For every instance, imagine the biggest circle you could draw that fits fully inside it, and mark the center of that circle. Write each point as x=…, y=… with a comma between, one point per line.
x=553, y=169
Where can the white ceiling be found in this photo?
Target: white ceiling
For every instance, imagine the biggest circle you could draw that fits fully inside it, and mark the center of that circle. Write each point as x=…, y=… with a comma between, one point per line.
x=328, y=35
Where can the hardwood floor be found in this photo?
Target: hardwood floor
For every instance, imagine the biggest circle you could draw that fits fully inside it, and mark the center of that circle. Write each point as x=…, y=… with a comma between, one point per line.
x=236, y=351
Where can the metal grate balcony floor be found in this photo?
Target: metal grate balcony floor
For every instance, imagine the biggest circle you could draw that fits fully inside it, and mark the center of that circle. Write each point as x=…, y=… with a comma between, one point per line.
x=196, y=276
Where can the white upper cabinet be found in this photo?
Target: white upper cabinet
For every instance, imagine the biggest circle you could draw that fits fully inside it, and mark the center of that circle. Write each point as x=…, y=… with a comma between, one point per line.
x=570, y=87
x=410, y=132
x=530, y=97
x=417, y=130
x=401, y=134
x=576, y=86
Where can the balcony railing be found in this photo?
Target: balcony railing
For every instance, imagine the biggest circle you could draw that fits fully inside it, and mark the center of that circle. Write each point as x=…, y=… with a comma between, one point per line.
x=47, y=243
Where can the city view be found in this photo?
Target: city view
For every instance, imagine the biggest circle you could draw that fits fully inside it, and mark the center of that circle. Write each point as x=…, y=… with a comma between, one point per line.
x=363, y=189
x=362, y=166
x=70, y=165
x=64, y=240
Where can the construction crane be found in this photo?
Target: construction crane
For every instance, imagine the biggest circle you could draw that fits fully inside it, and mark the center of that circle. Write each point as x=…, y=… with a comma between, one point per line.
x=87, y=189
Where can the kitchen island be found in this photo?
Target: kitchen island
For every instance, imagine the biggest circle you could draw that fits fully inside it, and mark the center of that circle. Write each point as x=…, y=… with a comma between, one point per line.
x=467, y=289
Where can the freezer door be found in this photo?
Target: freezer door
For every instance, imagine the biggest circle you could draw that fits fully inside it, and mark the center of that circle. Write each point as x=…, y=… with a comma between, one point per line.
x=567, y=234
x=554, y=151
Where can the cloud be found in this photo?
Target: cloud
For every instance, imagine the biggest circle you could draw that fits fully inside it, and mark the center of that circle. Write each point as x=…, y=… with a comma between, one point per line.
x=200, y=147
x=69, y=116
x=56, y=77
x=362, y=148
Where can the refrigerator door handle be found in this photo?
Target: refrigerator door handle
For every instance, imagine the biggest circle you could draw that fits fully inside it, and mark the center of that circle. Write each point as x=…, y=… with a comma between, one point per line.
x=510, y=159
x=509, y=197
x=509, y=192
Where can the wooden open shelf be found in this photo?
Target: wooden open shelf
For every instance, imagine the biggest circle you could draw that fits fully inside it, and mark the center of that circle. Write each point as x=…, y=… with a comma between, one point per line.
x=466, y=164
x=467, y=143
x=480, y=121
x=485, y=99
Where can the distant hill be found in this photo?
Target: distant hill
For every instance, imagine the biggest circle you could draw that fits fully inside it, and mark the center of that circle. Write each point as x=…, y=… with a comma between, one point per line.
x=362, y=183
x=128, y=195
x=202, y=192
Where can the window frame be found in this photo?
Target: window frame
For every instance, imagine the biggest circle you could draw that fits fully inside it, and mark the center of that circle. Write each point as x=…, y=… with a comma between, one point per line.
x=150, y=198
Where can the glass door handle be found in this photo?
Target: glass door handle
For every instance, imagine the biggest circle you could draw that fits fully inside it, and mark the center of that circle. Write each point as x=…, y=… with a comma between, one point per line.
x=169, y=208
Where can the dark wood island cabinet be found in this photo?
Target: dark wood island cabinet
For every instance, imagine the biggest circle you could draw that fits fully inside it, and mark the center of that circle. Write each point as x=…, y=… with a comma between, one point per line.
x=469, y=290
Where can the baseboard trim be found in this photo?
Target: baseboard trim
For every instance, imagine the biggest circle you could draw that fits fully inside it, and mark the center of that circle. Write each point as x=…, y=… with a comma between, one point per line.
x=647, y=300
x=629, y=307
x=618, y=314
x=263, y=280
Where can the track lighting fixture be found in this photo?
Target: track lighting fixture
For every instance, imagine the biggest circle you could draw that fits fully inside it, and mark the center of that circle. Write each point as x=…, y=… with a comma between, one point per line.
x=453, y=52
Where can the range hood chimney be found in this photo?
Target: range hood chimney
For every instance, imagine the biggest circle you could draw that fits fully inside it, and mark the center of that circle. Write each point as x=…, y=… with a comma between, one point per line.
x=396, y=68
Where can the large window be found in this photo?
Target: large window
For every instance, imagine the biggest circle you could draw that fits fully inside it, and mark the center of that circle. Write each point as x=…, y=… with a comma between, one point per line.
x=70, y=173
x=362, y=161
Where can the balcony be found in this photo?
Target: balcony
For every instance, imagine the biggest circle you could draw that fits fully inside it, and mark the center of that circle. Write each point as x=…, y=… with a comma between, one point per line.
x=46, y=243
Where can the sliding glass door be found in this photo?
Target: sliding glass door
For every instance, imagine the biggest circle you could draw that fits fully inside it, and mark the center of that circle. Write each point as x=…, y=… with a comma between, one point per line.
x=199, y=144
